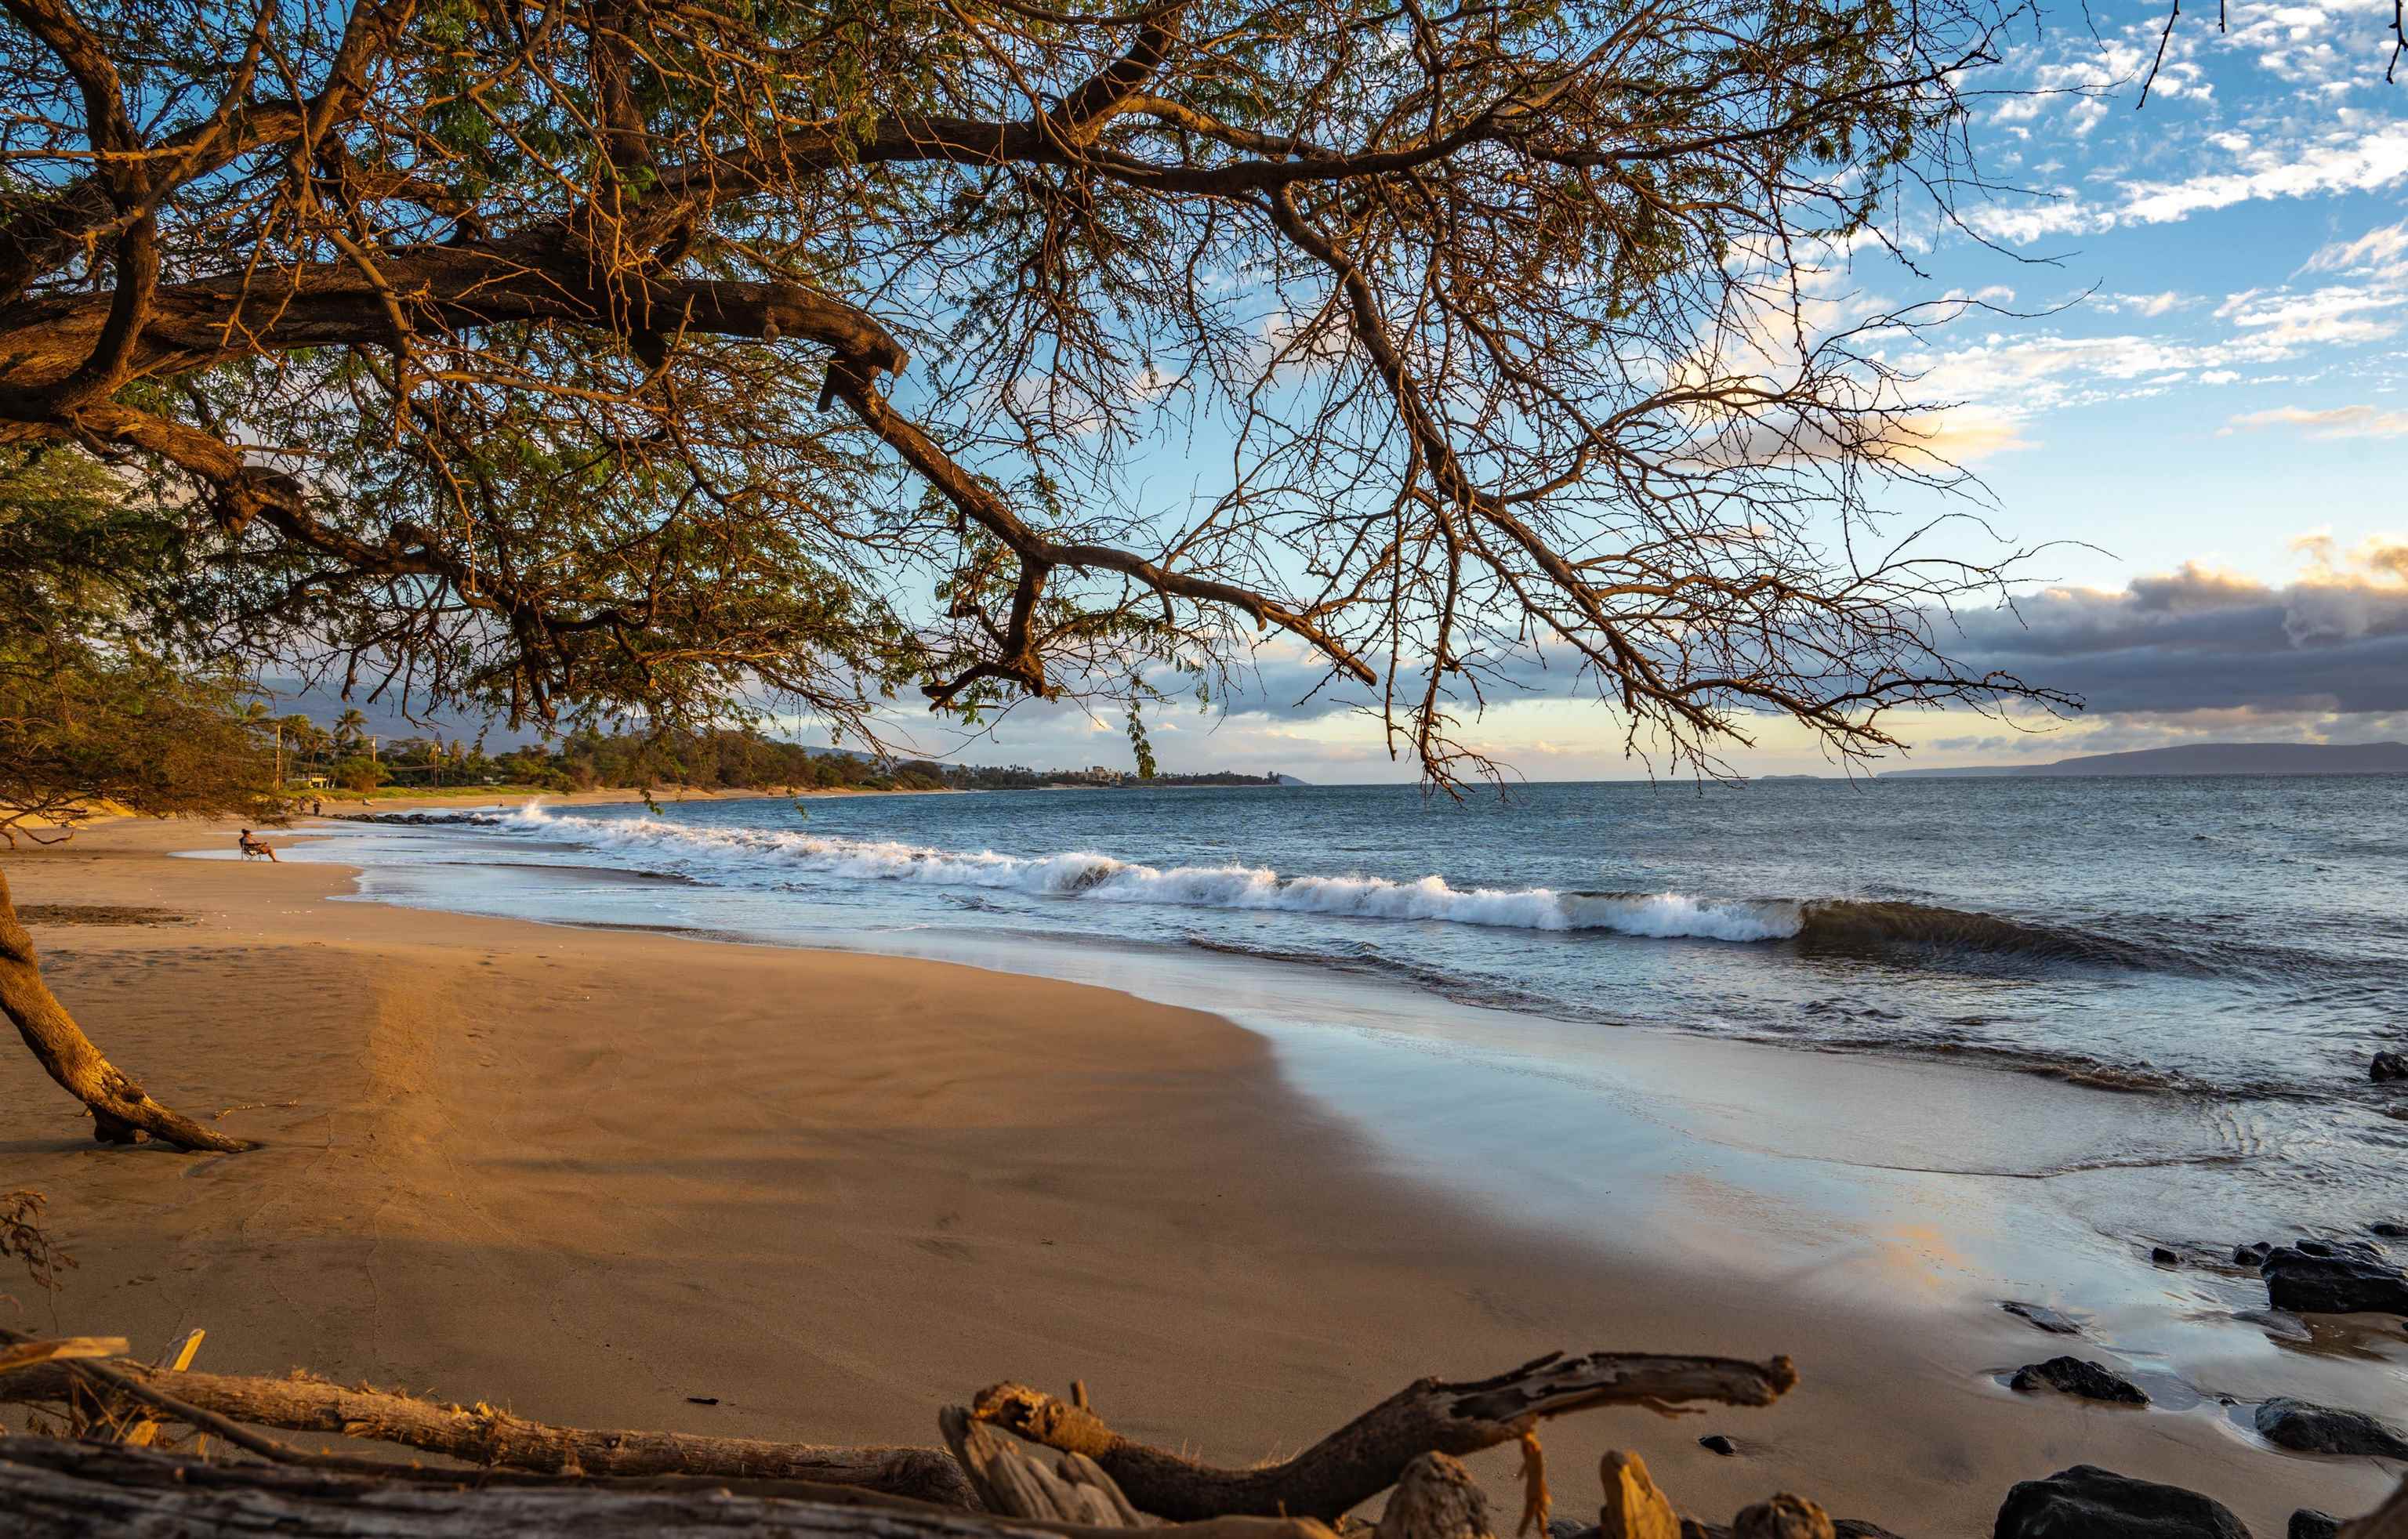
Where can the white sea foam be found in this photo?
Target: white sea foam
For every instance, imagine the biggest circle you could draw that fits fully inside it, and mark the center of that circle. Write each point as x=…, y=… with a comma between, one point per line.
x=1086, y=876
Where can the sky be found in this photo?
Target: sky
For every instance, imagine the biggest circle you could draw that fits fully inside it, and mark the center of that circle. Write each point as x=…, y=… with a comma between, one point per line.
x=2196, y=393
x=2187, y=383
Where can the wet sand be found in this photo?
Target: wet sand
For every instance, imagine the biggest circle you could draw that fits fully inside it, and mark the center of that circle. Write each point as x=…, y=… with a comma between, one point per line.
x=589, y=1174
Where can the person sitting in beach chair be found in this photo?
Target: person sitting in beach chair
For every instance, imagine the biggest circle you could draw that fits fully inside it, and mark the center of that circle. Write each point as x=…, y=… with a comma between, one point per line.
x=253, y=849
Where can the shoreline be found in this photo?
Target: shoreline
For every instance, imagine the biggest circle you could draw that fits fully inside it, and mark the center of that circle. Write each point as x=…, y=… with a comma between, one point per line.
x=493, y=1185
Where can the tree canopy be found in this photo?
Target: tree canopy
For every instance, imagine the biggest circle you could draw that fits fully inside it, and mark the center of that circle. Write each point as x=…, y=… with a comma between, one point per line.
x=88, y=712
x=571, y=357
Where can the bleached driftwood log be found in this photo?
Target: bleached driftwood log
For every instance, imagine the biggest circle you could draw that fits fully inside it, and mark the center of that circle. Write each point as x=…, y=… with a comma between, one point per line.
x=1019, y=1478
x=16, y=1356
x=56, y=1489
x=485, y=1435
x=1367, y=1456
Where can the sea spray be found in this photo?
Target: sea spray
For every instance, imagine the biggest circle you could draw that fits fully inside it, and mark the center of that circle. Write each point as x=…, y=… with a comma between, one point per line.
x=1086, y=875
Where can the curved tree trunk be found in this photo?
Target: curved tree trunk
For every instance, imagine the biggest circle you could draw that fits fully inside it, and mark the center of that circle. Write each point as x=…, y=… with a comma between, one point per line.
x=120, y=1108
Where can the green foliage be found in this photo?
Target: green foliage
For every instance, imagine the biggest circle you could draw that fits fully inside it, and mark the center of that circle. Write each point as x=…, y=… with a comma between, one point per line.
x=725, y=758
x=359, y=773
x=80, y=727
x=1139, y=744
x=89, y=713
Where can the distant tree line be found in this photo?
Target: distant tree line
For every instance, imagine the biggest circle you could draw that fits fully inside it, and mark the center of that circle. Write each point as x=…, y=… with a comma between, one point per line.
x=722, y=758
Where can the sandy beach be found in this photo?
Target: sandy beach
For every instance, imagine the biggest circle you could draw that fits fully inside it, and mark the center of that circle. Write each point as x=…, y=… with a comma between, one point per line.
x=588, y=1174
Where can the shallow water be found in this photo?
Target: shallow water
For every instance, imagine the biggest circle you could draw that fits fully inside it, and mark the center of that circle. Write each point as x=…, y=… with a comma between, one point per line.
x=2230, y=951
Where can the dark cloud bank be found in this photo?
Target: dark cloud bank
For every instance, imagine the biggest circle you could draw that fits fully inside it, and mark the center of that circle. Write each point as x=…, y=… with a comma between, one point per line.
x=2333, y=643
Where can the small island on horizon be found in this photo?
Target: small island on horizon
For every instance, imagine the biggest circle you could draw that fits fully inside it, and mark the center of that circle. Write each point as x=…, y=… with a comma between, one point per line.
x=2389, y=757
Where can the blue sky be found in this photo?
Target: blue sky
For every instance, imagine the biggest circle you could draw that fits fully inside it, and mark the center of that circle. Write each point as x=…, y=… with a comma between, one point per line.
x=2200, y=393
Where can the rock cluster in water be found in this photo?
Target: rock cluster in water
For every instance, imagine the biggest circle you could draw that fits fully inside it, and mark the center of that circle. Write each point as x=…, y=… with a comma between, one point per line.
x=2079, y=1377
x=2330, y=1278
x=2298, y=1425
x=2389, y=1066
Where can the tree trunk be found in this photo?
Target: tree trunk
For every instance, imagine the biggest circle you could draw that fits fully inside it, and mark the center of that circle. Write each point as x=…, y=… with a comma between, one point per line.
x=120, y=1108
x=492, y=1438
x=1365, y=1456
x=52, y=1488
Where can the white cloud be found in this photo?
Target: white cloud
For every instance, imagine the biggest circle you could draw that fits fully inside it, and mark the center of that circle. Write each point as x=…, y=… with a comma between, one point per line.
x=2150, y=305
x=2358, y=422
x=2362, y=159
x=2378, y=249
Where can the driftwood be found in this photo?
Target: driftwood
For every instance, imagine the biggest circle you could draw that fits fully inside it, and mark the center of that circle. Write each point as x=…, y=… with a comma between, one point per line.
x=1435, y=1498
x=2387, y=1521
x=1369, y=1454
x=55, y=1489
x=485, y=1435
x=1022, y=1480
x=20, y=1356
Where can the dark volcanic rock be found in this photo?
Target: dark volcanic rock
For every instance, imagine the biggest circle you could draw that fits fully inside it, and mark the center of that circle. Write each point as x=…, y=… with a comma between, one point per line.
x=2250, y=1255
x=2388, y=1066
x=2078, y=1377
x=2049, y=1319
x=2164, y=1256
x=2322, y=1429
x=2363, y=1249
x=2308, y=1523
x=2388, y=1230
x=1718, y=1443
x=2090, y=1503
x=2318, y=1278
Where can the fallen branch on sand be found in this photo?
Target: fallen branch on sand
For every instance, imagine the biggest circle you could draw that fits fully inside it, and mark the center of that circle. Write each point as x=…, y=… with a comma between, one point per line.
x=1018, y=1464
x=1365, y=1456
x=1019, y=1454
x=485, y=1435
x=54, y=1489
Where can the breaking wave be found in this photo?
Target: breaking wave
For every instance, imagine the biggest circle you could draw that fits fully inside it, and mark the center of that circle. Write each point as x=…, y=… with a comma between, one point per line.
x=1832, y=925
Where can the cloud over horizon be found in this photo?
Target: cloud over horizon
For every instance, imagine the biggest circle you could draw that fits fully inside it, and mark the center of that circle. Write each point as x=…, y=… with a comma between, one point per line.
x=2227, y=649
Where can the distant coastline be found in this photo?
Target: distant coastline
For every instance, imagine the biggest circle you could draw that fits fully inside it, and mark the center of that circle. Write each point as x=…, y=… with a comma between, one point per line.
x=2261, y=759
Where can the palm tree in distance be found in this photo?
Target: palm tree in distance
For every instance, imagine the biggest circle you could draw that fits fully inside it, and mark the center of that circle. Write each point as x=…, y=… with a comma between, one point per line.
x=349, y=727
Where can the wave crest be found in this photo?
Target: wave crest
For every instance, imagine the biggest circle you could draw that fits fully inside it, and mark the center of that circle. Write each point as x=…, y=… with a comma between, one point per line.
x=1821, y=924
x=1088, y=876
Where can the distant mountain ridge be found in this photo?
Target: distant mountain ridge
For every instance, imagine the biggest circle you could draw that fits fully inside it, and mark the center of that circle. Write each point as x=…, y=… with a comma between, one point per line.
x=2203, y=759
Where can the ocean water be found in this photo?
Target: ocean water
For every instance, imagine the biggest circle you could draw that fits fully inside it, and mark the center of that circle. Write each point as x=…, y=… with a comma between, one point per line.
x=2237, y=947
